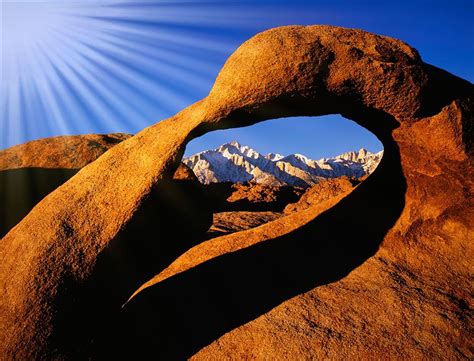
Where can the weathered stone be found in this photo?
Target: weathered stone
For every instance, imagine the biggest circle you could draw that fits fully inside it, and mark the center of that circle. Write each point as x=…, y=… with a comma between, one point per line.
x=66, y=152
x=321, y=192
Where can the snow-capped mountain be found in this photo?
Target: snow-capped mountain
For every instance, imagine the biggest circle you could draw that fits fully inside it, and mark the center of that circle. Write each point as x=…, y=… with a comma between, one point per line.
x=237, y=163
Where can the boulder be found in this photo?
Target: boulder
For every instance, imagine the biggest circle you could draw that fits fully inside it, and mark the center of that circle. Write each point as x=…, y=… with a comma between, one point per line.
x=231, y=222
x=321, y=192
x=250, y=197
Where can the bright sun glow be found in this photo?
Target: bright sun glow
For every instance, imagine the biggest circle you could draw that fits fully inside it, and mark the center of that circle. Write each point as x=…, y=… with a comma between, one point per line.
x=75, y=67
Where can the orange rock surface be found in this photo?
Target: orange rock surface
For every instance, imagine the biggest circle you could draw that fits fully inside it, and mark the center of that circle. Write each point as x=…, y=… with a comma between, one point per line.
x=383, y=272
x=69, y=151
x=231, y=222
x=321, y=192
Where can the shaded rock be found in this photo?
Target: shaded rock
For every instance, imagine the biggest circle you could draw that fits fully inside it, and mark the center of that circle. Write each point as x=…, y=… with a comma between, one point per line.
x=247, y=236
x=270, y=200
x=384, y=272
x=30, y=171
x=22, y=188
x=161, y=215
x=251, y=197
x=231, y=222
x=321, y=192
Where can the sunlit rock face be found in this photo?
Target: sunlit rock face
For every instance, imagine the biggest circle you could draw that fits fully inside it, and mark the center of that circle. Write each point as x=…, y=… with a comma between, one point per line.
x=381, y=272
x=237, y=163
x=323, y=191
x=67, y=152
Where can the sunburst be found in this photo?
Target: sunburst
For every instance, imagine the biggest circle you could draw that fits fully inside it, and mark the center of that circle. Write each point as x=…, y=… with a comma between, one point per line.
x=74, y=67
x=104, y=66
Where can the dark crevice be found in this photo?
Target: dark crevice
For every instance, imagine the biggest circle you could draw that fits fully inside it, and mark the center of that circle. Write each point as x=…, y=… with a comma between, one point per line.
x=177, y=317
x=21, y=189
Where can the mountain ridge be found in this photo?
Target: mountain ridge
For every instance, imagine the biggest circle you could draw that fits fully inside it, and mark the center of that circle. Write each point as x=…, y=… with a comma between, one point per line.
x=236, y=163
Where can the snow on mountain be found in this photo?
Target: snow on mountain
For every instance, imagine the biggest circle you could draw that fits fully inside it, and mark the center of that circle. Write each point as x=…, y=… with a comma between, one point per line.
x=236, y=163
x=274, y=156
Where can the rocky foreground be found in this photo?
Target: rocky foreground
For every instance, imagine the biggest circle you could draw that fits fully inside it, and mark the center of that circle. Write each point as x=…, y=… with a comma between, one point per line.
x=382, y=270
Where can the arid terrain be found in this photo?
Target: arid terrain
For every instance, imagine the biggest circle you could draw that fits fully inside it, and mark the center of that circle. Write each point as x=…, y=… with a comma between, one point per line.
x=112, y=248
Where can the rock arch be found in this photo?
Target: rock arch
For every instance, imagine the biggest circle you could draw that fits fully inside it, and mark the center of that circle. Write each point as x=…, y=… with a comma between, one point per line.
x=422, y=115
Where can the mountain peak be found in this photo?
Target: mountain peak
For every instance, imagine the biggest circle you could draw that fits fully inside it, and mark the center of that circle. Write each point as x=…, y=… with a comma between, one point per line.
x=301, y=156
x=237, y=163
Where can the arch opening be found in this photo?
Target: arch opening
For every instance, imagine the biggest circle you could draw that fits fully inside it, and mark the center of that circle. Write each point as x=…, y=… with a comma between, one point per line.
x=255, y=174
x=243, y=283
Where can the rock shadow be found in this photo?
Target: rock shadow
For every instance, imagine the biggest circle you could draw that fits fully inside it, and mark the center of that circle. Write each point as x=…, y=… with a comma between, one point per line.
x=172, y=219
x=217, y=195
x=21, y=189
x=178, y=316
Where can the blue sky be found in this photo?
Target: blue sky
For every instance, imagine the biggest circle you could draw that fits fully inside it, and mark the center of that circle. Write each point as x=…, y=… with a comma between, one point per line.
x=74, y=67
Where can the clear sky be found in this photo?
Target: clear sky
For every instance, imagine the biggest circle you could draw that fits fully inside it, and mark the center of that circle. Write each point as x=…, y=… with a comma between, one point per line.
x=75, y=67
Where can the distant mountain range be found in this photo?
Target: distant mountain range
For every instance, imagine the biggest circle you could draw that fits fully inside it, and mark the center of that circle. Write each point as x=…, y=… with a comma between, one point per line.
x=236, y=163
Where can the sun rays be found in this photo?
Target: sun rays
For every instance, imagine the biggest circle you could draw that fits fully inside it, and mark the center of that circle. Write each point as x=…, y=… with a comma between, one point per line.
x=83, y=67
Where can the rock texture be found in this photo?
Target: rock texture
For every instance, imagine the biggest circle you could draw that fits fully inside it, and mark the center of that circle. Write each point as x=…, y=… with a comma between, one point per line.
x=231, y=222
x=30, y=171
x=67, y=152
x=255, y=204
x=236, y=163
x=250, y=197
x=321, y=192
x=383, y=272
